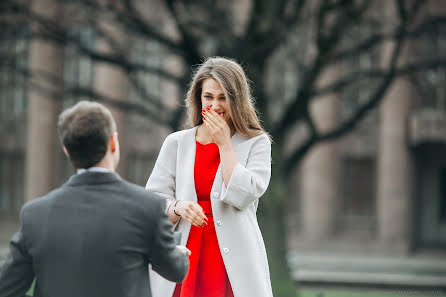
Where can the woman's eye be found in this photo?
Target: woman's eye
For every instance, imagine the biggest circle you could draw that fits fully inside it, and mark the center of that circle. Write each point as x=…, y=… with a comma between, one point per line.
x=207, y=97
x=222, y=98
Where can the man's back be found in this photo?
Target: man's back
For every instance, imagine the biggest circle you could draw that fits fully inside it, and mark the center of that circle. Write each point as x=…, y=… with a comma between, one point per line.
x=95, y=236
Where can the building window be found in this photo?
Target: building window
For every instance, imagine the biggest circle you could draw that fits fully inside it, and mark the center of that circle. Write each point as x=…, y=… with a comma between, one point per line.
x=14, y=43
x=78, y=66
x=442, y=197
x=140, y=167
x=430, y=84
x=358, y=193
x=285, y=76
x=145, y=85
x=358, y=93
x=11, y=182
x=147, y=53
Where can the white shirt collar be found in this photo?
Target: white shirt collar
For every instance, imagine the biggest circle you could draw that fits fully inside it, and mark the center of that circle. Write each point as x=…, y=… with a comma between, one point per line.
x=93, y=169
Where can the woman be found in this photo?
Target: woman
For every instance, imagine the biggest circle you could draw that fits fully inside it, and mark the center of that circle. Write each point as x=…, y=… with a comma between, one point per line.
x=212, y=176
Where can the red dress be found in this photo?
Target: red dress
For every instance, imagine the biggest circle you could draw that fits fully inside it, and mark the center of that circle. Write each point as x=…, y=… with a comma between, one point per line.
x=207, y=273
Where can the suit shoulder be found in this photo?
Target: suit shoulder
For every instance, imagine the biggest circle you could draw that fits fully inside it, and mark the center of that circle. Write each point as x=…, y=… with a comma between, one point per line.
x=40, y=203
x=138, y=192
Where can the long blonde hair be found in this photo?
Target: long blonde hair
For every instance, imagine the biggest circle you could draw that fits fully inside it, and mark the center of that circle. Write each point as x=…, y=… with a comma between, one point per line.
x=232, y=79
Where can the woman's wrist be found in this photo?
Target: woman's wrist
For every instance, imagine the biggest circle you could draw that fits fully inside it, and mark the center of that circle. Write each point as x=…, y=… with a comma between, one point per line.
x=169, y=207
x=226, y=147
x=174, y=209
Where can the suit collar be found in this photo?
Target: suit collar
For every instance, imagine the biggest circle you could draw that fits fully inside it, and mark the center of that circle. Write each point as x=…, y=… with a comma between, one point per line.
x=93, y=178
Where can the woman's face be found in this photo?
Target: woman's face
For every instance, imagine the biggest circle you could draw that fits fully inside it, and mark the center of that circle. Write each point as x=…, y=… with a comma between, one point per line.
x=212, y=96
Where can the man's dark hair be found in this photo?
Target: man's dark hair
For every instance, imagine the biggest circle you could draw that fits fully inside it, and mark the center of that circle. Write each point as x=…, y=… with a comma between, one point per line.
x=84, y=130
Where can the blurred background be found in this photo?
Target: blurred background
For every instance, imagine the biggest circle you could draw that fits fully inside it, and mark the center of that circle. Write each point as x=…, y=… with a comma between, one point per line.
x=353, y=93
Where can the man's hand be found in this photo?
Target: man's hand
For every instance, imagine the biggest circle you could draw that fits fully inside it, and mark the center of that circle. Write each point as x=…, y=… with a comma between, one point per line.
x=184, y=250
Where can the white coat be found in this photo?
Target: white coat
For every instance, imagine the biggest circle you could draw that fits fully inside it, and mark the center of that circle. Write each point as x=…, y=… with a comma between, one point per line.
x=234, y=207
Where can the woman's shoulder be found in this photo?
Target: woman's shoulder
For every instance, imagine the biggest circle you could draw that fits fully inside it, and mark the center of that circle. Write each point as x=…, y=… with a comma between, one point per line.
x=241, y=142
x=178, y=136
x=262, y=137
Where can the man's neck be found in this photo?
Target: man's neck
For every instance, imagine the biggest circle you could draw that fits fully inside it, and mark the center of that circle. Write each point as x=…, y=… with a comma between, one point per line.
x=93, y=169
x=107, y=162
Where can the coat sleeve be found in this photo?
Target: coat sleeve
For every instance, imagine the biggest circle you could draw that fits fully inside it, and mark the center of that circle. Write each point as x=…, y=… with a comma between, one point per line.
x=248, y=183
x=16, y=274
x=167, y=259
x=162, y=178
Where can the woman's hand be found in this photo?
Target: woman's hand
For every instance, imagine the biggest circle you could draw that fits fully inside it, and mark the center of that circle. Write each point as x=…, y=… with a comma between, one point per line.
x=219, y=129
x=221, y=133
x=191, y=212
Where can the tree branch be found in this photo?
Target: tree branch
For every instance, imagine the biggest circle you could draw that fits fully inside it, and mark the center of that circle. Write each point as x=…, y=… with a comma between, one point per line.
x=136, y=23
x=350, y=123
x=188, y=43
x=378, y=73
x=326, y=44
x=121, y=104
x=37, y=77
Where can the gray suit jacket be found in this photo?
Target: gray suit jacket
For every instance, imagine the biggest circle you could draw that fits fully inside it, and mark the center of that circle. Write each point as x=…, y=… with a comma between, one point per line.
x=94, y=236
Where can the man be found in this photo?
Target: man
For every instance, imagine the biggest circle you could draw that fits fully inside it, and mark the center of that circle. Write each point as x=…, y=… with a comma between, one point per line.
x=96, y=234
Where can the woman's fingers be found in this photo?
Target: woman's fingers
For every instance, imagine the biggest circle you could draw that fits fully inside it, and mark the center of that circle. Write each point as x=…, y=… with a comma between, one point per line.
x=194, y=218
x=199, y=212
x=210, y=127
x=214, y=122
x=193, y=213
x=193, y=221
x=214, y=119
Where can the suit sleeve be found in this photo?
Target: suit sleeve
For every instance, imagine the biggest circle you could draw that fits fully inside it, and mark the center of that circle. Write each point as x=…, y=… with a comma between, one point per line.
x=162, y=179
x=248, y=183
x=16, y=274
x=167, y=259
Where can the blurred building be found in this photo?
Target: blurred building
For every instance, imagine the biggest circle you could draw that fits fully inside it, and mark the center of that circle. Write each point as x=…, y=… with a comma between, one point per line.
x=367, y=209
x=31, y=159
x=370, y=208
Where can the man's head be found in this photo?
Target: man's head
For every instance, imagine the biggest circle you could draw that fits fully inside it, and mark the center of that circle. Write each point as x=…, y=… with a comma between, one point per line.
x=87, y=132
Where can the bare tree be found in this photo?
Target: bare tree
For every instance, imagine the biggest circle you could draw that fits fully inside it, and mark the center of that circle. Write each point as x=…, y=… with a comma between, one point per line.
x=311, y=36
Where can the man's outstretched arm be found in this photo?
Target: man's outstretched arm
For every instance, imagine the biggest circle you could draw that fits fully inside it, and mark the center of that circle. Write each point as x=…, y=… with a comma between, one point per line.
x=167, y=259
x=16, y=274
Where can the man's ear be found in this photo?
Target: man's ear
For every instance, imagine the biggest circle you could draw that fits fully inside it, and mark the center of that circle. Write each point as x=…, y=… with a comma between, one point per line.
x=66, y=151
x=113, y=142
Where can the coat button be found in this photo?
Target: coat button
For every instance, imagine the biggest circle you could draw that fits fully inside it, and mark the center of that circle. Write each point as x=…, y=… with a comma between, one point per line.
x=226, y=250
x=216, y=195
x=218, y=223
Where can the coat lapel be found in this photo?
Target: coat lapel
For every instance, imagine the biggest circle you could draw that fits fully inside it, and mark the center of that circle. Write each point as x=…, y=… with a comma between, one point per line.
x=187, y=165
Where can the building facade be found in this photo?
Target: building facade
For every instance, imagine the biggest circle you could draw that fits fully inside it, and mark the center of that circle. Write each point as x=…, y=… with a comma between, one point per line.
x=373, y=198
x=370, y=207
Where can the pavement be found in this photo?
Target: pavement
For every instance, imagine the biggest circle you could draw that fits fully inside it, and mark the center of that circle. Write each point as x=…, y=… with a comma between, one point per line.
x=316, y=269
x=365, y=270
